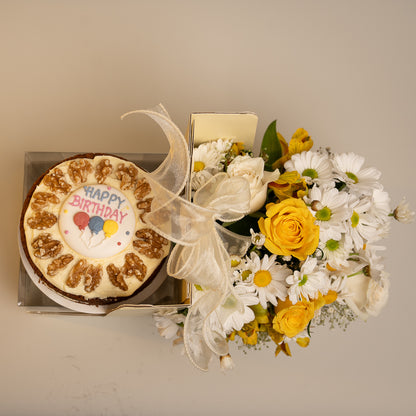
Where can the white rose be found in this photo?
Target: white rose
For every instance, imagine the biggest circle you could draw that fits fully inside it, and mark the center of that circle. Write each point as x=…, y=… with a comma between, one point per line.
x=377, y=295
x=367, y=296
x=252, y=169
x=356, y=288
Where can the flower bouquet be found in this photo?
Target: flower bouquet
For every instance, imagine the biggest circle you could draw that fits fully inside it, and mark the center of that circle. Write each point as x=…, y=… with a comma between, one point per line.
x=298, y=234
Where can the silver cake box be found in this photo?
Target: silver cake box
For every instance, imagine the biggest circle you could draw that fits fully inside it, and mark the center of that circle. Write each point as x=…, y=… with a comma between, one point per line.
x=163, y=291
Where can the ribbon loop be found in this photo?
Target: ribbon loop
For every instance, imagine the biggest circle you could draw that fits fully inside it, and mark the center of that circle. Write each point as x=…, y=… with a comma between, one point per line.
x=173, y=172
x=228, y=197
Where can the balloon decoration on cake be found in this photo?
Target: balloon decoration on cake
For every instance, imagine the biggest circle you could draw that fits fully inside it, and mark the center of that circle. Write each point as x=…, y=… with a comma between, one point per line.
x=95, y=224
x=81, y=219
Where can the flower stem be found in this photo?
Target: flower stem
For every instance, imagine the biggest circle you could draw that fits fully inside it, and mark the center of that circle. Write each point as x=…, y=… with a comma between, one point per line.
x=356, y=274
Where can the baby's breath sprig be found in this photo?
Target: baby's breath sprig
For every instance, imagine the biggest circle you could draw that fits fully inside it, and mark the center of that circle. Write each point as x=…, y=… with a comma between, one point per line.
x=335, y=314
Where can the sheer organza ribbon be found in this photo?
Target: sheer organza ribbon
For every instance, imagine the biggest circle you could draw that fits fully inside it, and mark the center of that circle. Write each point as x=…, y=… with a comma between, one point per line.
x=202, y=252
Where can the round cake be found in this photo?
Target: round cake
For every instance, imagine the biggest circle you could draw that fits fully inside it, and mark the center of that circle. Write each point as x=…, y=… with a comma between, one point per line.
x=83, y=232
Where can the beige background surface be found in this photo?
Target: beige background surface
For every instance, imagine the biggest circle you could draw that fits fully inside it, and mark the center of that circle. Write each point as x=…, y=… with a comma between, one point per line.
x=345, y=71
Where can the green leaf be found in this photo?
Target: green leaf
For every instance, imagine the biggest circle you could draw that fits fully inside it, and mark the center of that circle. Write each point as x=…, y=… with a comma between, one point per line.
x=243, y=226
x=271, y=149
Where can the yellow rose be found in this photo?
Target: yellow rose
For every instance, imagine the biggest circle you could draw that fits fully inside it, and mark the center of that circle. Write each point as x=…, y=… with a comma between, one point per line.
x=292, y=319
x=290, y=229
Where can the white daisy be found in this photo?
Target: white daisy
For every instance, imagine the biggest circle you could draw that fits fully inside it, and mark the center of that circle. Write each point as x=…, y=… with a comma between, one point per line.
x=242, y=271
x=200, y=178
x=257, y=239
x=221, y=146
x=337, y=284
x=349, y=167
x=380, y=208
x=373, y=263
x=167, y=322
x=363, y=227
x=307, y=281
x=356, y=264
x=206, y=162
x=336, y=252
x=267, y=278
x=236, y=262
x=403, y=213
x=207, y=156
x=235, y=311
x=238, y=318
x=331, y=209
x=312, y=166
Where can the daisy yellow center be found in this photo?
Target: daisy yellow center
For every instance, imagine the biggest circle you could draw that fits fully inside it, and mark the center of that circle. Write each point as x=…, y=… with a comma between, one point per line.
x=352, y=176
x=367, y=271
x=304, y=280
x=245, y=274
x=235, y=263
x=355, y=219
x=262, y=278
x=312, y=173
x=323, y=214
x=237, y=148
x=198, y=166
x=332, y=245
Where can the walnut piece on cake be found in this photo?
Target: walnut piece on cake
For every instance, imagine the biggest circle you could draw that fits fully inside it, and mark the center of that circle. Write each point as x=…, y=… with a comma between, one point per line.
x=142, y=189
x=127, y=175
x=45, y=247
x=102, y=170
x=90, y=274
x=41, y=200
x=56, y=183
x=59, y=263
x=76, y=273
x=78, y=170
x=134, y=266
x=145, y=206
x=42, y=220
x=150, y=243
x=93, y=276
x=116, y=277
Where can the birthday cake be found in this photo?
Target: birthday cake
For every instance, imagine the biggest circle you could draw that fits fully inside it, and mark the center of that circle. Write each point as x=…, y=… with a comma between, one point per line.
x=83, y=232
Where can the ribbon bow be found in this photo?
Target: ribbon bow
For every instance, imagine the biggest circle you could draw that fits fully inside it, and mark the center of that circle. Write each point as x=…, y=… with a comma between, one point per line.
x=202, y=252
